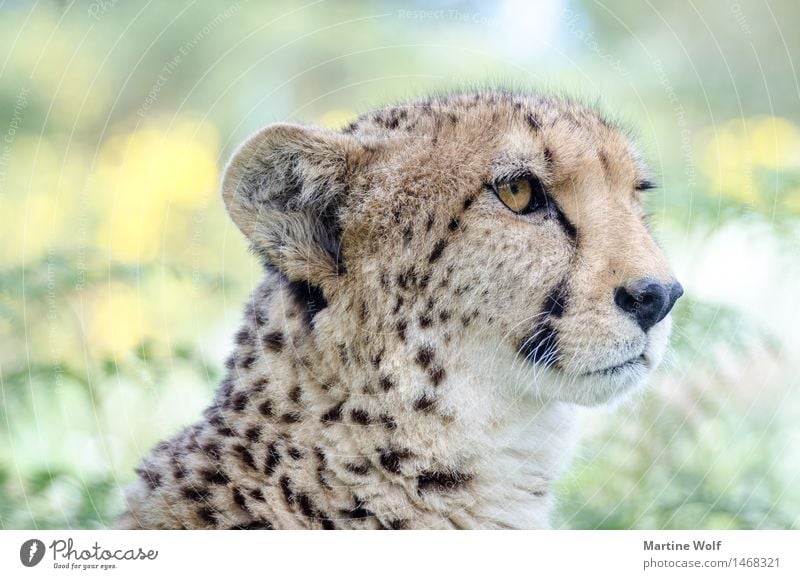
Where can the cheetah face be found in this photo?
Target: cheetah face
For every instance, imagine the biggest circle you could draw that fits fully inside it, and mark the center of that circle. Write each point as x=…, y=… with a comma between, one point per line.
x=510, y=227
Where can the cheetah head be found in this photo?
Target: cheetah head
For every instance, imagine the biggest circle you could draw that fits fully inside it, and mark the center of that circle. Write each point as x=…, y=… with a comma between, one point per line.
x=510, y=227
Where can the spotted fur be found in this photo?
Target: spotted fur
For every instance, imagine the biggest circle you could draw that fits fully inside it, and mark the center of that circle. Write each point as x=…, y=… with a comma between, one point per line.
x=414, y=354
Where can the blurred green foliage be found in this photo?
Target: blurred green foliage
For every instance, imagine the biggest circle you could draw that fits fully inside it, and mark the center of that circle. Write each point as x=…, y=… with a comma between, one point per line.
x=121, y=279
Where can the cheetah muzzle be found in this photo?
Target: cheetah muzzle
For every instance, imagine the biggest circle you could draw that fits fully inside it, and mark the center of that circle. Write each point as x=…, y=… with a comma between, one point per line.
x=445, y=280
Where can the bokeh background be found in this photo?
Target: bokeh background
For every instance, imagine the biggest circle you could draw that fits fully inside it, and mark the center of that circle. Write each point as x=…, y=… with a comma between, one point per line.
x=121, y=279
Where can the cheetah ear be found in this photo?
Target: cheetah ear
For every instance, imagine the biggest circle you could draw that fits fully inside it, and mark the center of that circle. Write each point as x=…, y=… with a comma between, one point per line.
x=283, y=188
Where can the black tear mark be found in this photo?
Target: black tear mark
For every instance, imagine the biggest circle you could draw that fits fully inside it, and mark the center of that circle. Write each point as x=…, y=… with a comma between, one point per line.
x=441, y=481
x=541, y=346
x=556, y=301
x=565, y=223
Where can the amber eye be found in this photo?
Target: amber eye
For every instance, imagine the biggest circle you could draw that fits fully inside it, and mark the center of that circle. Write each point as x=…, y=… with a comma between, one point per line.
x=516, y=195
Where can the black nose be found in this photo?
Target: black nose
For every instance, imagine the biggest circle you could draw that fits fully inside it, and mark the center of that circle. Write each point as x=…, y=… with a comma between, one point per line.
x=647, y=301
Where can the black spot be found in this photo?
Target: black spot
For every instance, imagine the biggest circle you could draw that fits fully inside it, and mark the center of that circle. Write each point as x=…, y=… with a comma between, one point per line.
x=230, y=363
x=424, y=403
x=272, y=460
x=196, y=494
x=291, y=418
x=425, y=356
x=286, y=488
x=401, y=327
x=387, y=383
x=359, y=469
x=436, y=374
x=244, y=337
x=333, y=415
x=444, y=315
x=248, y=361
x=255, y=525
x=207, y=516
x=398, y=524
x=239, y=499
x=245, y=455
x=541, y=346
x=306, y=506
x=429, y=224
x=425, y=321
x=295, y=453
x=253, y=434
x=468, y=202
x=398, y=305
x=215, y=477
x=388, y=421
x=453, y=225
x=295, y=393
x=441, y=481
x=533, y=122
x=390, y=459
x=359, y=511
x=556, y=301
x=645, y=185
x=376, y=360
x=211, y=450
x=408, y=235
x=273, y=341
x=150, y=477
x=437, y=251
x=265, y=408
x=360, y=416
x=225, y=431
x=309, y=297
x=256, y=494
x=239, y=401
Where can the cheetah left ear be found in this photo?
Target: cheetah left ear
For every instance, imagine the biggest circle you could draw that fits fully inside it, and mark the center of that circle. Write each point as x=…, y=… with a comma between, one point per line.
x=283, y=188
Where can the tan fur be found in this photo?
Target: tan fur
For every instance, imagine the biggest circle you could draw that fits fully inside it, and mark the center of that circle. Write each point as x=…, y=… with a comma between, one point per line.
x=402, y=400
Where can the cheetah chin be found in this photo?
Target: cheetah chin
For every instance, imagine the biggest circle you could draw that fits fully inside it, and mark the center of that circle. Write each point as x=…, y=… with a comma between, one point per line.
x=445, y=280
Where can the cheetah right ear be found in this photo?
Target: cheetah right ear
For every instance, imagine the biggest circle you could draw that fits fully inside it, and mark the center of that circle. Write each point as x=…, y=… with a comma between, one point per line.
x=283, y=188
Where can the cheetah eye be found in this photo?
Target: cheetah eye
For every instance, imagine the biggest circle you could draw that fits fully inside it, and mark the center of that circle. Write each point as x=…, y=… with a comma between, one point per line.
x=522, y=195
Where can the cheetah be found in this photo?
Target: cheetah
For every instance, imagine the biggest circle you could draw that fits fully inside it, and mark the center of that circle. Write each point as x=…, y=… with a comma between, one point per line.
x=446, y=281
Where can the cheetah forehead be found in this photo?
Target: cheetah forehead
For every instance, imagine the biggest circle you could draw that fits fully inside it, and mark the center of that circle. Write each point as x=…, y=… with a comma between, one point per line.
x=566, y=133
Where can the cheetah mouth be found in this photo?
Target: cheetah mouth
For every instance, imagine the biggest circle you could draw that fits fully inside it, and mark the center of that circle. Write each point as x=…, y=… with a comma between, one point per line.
x=635, y=362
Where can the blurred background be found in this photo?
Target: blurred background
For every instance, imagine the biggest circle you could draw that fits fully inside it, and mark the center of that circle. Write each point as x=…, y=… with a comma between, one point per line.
x=122, y=280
